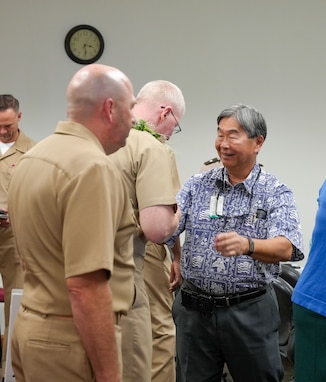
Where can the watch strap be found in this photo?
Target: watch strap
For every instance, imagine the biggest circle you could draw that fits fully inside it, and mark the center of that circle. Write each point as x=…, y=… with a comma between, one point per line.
x=251, y=246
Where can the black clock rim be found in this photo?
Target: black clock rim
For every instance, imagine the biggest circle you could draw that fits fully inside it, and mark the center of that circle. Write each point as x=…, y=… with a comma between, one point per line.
x=67, y=44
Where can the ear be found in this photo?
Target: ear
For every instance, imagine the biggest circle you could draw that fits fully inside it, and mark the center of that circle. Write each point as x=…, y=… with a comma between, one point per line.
x=19, y=116
x=259, y=142
x=108, y=108
x=165, y=112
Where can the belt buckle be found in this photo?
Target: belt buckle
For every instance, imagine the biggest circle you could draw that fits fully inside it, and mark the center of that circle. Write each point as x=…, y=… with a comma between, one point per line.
x=205, y=304
x=202, y=301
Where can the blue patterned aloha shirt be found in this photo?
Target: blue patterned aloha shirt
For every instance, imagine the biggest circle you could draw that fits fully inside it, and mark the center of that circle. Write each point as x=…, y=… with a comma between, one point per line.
x=260, y=207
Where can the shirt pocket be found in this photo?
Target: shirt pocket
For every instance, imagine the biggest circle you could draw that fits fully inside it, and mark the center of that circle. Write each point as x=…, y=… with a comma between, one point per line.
x=7, y=174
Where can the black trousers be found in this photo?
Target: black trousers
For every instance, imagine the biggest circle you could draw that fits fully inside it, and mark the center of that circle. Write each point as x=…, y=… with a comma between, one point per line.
x=244, y=336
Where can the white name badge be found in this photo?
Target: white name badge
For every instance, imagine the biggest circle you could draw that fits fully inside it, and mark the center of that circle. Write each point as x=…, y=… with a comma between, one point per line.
x=219, y=208
x=216, y=206
x=212, y=207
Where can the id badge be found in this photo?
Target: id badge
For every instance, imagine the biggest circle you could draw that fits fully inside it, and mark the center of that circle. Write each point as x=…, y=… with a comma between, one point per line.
x=219, y=207
x=216, y=206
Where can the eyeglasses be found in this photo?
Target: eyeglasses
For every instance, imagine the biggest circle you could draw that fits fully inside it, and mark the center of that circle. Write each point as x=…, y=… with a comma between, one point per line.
x=177, y=128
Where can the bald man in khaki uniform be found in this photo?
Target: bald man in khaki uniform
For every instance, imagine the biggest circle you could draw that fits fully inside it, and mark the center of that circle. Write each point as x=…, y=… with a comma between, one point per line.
x=74, y=225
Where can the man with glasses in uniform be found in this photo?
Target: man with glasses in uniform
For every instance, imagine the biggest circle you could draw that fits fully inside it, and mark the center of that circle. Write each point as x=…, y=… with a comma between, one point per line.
x=148, y=164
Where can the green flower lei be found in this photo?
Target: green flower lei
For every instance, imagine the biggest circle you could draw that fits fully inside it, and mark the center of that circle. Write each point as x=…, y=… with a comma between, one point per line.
x=142, y=126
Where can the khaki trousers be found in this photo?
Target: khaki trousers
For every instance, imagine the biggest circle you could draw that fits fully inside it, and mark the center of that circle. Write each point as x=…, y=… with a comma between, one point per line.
x=136, y=333
x=157, y=269
x=49, y=348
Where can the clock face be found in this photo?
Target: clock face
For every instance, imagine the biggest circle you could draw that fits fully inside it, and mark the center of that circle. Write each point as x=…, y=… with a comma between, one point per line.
x=84, y=44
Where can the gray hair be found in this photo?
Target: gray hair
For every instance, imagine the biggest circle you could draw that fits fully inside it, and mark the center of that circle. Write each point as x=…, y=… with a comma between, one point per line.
x=249, y=119
x=164, y=92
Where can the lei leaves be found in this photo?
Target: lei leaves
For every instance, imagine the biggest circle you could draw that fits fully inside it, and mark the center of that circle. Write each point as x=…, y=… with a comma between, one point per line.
x=142, y=126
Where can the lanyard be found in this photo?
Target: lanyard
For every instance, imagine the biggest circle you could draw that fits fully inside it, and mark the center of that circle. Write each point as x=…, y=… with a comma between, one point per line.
x=216, y=205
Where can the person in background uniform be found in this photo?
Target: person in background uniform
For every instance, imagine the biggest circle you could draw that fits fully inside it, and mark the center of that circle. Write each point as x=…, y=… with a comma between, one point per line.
x=240, y=222
x=309, y=305
x=161, y=104
x=73, y=225
x=211, y=163
x=150, y=172
x=13, y=144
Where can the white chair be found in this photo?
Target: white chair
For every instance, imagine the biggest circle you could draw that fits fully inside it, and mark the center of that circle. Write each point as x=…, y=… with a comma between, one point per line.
x=16, y=295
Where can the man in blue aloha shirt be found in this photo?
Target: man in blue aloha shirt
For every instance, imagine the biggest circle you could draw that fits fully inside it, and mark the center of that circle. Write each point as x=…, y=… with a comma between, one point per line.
x=240, y=222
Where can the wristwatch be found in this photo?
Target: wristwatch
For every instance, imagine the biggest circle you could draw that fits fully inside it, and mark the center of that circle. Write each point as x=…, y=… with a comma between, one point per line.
x=251, y=246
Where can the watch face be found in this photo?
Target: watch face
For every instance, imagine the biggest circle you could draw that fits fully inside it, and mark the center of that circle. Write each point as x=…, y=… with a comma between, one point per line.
x=84, y=44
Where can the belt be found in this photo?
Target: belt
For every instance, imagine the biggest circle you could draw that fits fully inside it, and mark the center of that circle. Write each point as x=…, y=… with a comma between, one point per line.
x=206, y=303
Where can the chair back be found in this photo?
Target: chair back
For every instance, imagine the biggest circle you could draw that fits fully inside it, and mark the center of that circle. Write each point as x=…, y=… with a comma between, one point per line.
x=290, y=274
x=284, y=292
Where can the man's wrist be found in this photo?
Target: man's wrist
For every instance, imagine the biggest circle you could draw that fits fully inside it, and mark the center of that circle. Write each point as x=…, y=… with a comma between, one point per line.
x=251, y=246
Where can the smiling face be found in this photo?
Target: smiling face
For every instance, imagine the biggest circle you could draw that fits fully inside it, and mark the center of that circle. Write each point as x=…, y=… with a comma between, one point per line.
x=9, y=120
x=237, y=152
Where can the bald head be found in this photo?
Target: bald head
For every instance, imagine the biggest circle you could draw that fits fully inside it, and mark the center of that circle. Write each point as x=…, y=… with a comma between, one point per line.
x=101, y=98
x=91, y=86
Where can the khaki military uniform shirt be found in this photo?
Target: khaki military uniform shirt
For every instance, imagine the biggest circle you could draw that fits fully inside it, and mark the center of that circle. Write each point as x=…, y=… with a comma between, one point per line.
x=71, y=215
x=149, y=169
x=8, y=163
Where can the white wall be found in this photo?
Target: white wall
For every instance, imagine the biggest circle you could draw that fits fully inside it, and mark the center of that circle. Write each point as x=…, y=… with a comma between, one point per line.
x=266, y=53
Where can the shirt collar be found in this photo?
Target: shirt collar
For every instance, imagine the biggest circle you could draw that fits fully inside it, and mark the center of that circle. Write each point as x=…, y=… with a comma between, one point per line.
x=222, y=178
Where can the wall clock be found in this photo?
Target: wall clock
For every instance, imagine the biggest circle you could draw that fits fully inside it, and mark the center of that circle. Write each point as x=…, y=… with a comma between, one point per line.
x=84, y=44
